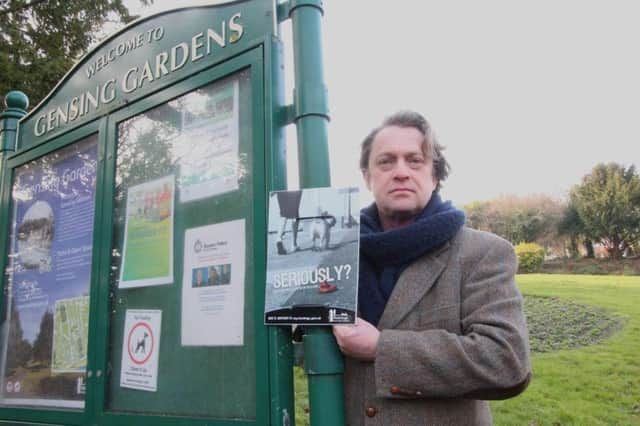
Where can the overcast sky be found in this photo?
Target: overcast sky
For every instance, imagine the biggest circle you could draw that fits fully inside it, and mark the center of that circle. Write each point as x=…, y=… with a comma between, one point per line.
x=527, y=96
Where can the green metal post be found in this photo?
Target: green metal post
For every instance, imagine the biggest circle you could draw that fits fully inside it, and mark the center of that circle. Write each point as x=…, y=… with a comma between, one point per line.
x=324, y=364
x=16, y=104
x=280, y=339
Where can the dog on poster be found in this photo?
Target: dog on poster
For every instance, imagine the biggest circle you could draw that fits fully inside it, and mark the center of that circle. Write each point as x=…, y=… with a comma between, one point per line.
x=321, y=230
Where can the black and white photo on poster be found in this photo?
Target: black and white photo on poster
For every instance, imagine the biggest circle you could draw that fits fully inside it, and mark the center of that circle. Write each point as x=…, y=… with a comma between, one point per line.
x=312, y=256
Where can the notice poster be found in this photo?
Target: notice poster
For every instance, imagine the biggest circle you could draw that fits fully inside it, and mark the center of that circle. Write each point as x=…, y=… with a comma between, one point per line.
x=147, y=255
x=140, y=349
x=44, y=353
x=312, y=256
x=208, y=149
x=213, y=285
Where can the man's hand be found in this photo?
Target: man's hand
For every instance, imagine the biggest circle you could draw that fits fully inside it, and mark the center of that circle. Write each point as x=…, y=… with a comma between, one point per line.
x=359, y=340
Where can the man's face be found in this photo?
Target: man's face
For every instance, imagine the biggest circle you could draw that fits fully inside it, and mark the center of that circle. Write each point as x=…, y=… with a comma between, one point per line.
x=399, y=175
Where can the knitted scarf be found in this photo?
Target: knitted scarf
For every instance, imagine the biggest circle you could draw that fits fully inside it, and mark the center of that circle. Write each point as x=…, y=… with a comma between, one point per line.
x=385, y=254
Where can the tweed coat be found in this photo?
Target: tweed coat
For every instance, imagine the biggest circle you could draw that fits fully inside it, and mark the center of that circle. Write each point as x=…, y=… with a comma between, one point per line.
x=453, y=334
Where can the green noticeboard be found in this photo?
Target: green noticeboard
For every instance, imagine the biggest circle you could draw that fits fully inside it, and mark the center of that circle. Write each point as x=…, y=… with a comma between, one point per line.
x=134, y=230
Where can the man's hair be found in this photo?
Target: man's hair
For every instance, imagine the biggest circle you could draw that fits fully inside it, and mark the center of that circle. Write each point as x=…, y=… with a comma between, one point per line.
x=430, y=145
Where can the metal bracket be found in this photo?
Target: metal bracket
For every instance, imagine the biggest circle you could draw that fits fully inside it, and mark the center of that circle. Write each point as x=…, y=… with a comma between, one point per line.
x=288, y=114
x=314, y=101
x=285, y=9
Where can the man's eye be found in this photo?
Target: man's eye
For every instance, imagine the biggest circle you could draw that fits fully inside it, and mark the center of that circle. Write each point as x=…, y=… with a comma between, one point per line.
x=384, y=161
x=416, y=161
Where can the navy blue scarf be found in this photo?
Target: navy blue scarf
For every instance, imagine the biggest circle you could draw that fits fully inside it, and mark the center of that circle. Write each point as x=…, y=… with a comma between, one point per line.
x=385, y=254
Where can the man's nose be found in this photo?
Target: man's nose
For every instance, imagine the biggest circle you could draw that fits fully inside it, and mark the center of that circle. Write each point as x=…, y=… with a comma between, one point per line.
x=401, y=171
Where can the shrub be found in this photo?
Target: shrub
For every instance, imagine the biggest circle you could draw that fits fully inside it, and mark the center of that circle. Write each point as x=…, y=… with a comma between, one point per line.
x=530, y=257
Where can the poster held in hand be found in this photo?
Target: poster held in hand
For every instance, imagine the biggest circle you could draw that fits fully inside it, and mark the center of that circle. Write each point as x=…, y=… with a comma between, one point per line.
x=312, y=256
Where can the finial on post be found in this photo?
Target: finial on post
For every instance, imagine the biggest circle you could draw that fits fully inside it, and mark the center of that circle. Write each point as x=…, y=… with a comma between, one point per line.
x=16, y=100
x=16, y=104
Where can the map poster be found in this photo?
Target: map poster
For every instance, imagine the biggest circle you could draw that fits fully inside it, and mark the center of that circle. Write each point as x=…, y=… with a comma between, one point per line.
x=208, y=150
x=213, y=285
x=44, y=354
x=140, y=349
x=70, y=320
x=312, y=256
x=147, y=255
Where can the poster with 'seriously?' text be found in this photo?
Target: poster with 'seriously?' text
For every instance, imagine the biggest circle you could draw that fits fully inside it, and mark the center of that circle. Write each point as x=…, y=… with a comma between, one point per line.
x=45, y=350
x=312, y=256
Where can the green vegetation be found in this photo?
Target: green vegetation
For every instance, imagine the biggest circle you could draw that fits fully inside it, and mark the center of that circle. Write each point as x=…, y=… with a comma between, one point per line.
x=301, y=395
x=597, y=384
x=593, y=385
x=41, y=40
x=556, y=324
x=595, y=266
x=600, y=217
x=608, y=204
x=532, y=218
x=530, y=257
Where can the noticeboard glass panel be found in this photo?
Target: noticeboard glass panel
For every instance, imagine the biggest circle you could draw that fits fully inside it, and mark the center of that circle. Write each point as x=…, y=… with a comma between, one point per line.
x=182, y=319
x=48, y=275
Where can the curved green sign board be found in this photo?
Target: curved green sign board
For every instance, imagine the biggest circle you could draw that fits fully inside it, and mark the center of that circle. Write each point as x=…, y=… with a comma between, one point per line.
x=148, y=55
x=133, y=230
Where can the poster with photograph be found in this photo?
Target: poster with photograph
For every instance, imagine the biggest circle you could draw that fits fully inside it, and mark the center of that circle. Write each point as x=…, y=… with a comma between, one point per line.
x=208, y=150
x=140, y=349
x=44, y=353
x=147, y=255
x=312, y=256
x=213, y=285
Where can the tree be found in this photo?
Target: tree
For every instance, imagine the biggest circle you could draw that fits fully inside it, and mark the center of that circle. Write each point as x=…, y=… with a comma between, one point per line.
x=43, y=344
x=532, y=218
x=572, y=227
x=41, y=40
x=18, y=348
x=608, y=203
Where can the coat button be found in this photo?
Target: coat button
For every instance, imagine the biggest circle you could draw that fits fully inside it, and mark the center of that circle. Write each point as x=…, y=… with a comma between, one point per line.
x=394, y=390
x=371, y=411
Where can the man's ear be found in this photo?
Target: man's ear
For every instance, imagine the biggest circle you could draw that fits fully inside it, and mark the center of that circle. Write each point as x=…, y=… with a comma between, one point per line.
x=367, y=178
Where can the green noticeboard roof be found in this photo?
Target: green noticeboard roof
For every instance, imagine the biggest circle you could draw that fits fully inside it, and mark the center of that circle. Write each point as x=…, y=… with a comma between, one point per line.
x=146, y=56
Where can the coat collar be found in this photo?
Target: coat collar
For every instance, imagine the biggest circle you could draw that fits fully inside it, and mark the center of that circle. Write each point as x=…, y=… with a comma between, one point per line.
x=413, y=284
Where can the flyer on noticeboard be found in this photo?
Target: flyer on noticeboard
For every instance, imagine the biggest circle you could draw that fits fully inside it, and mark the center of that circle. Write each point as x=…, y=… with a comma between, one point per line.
x=148, y=234
x=140, y=349
x=312, y=256
x=208, y=152
x=213, y=285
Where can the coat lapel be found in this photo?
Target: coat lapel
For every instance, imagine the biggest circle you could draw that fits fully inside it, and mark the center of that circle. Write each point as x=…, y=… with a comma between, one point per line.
x=412, y=285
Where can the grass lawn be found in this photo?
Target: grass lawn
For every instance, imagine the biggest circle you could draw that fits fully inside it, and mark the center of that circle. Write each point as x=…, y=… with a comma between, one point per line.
x=593, y=385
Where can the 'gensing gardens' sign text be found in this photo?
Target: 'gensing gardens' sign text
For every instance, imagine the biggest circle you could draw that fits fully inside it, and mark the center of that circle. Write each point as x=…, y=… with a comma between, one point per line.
x=164, y=63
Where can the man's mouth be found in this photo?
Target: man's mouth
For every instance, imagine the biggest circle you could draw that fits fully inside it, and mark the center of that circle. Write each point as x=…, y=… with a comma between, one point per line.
x=400, y=190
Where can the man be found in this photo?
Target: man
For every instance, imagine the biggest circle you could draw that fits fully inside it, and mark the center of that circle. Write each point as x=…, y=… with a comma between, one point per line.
x=441, y=327
x=214, y=278
x=199, y=282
